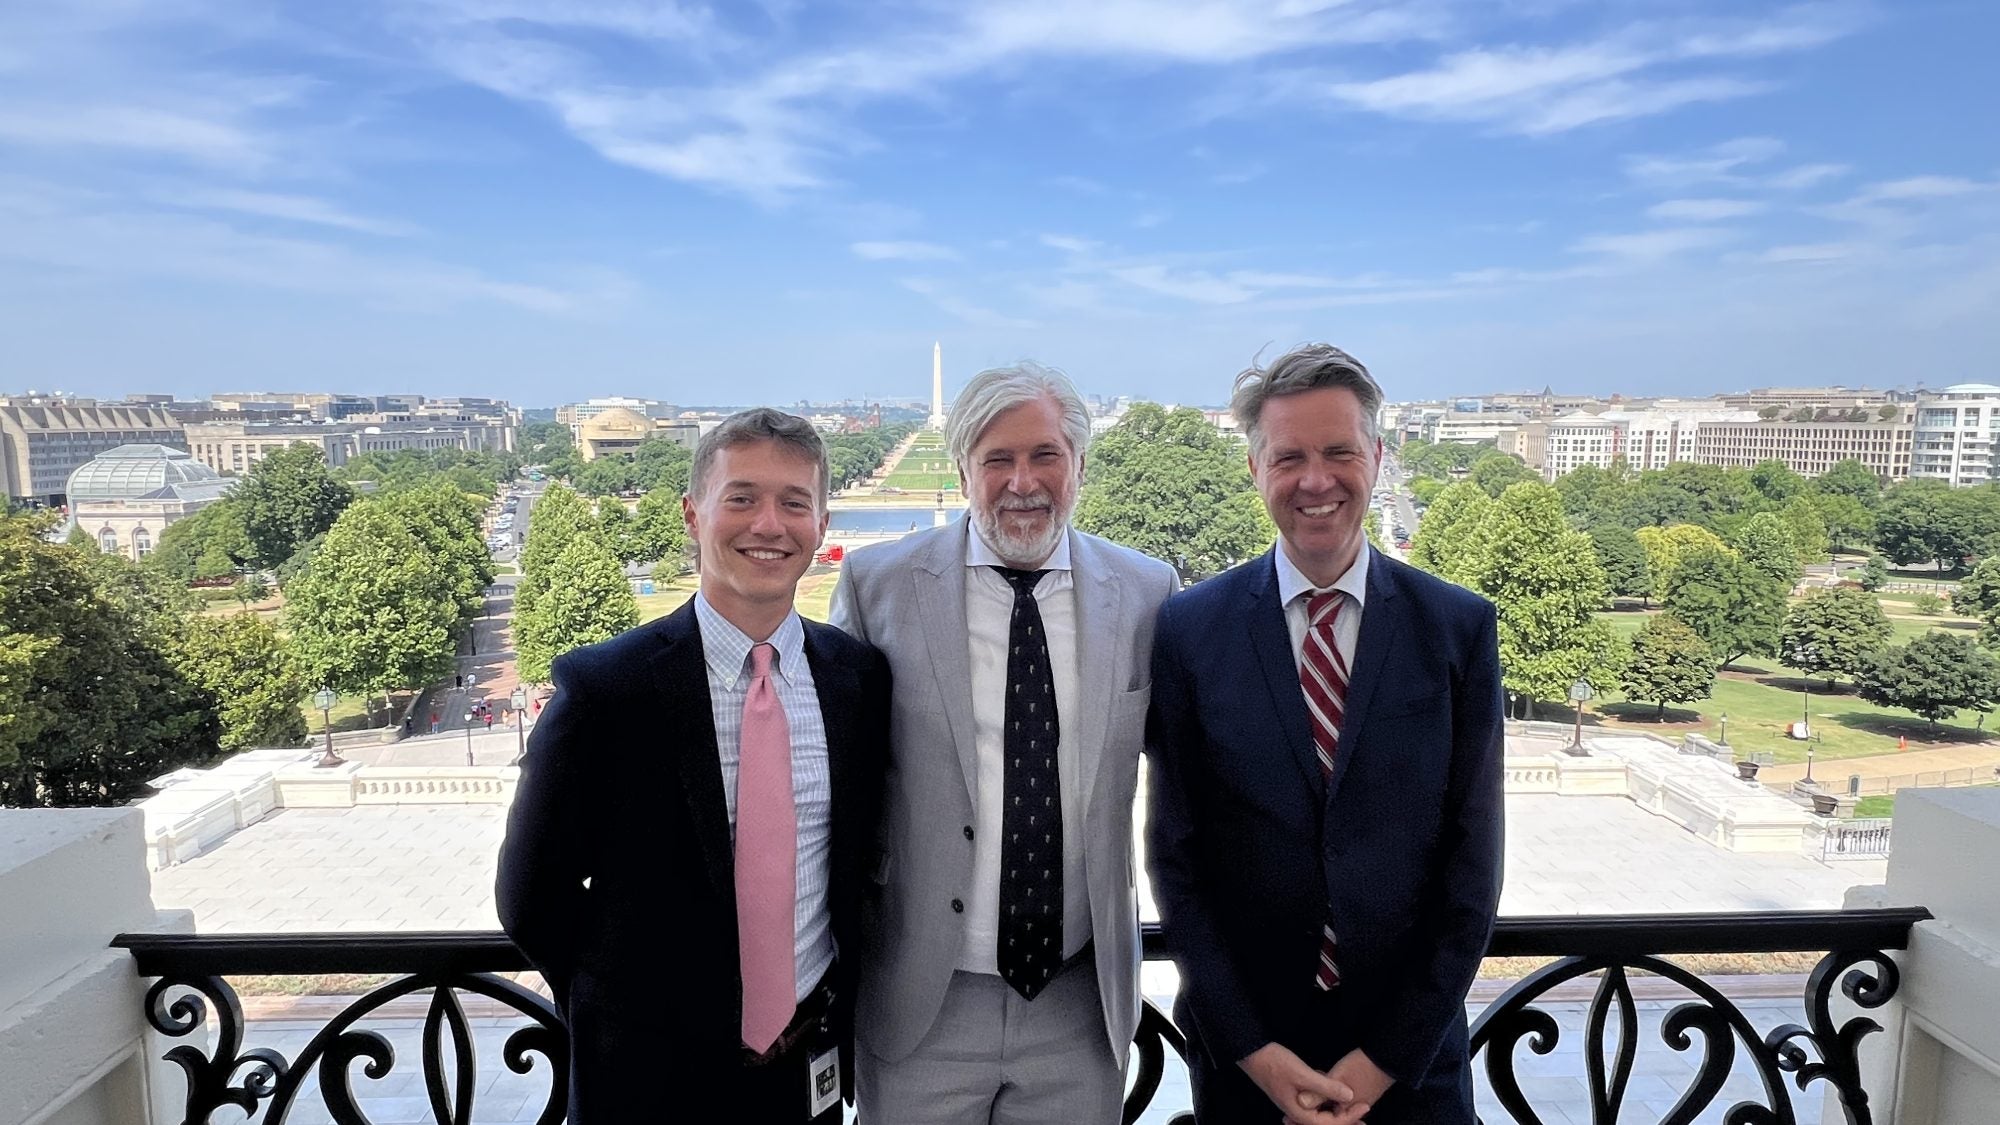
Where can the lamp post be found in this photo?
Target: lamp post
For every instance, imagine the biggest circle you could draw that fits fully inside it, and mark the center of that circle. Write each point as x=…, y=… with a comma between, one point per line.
x=1724, y=719
x=324, y=699
x=1810, y=654
x=1809, y=761
x=1579, y=694
x=520, y=701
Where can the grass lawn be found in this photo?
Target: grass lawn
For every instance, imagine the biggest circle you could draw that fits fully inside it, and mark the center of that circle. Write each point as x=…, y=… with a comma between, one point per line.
x=919, y=480
x=350, y=712
x=814, y=598
x=1761, y=697
x=1871, y=807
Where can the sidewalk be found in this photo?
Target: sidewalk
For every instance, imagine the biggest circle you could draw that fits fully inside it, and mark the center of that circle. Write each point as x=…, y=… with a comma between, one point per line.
x=1973, y=756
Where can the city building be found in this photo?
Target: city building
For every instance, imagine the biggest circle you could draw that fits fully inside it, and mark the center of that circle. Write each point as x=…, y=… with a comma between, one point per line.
x=125, y=497
x=1809, y=448
x=1464, y=428
x=612, y=430
x=43, y=439
x=1642, y=439
x=1529, y=442
x=1794, y=397
x=575, y=414
x=1954, y=434
x=233, y=447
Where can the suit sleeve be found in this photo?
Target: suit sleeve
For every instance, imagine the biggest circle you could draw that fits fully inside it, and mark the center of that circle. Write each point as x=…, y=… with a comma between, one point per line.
x=1229, y=1025
x=1464, y=894
x=539, y=890
x=845, y=612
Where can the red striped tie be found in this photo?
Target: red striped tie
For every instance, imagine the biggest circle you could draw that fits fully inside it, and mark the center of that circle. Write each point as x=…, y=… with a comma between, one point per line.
x=1323, y=676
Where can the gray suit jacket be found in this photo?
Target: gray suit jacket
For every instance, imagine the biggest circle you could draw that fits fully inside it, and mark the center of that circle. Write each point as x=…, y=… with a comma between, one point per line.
x=907, y=598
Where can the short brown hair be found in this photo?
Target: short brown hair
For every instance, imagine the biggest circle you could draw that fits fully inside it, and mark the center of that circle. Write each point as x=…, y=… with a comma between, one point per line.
x=1307, y=367
x=759, y=424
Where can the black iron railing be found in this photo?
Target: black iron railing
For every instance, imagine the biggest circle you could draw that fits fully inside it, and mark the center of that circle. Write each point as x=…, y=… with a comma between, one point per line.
x=192, y=975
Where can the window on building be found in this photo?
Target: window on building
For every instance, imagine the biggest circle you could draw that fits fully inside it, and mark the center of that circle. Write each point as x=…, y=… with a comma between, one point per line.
x=142, y=543
x=107, y=541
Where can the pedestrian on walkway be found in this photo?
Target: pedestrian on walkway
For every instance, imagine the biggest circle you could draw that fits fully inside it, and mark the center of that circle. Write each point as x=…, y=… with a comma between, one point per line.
x=489, y=718
x=434, y=722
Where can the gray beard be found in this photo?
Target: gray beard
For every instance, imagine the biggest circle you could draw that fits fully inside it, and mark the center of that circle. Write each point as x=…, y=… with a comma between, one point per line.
x=1024, y=550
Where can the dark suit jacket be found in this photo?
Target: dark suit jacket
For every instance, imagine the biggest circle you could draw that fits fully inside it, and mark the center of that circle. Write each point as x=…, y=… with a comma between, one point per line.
x=617, y=874
x=1248, y=845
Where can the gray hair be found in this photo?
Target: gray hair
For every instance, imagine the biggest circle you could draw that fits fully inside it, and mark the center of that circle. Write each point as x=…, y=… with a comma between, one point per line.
x=998, y=389
x=759, y=424
x=1307, y=367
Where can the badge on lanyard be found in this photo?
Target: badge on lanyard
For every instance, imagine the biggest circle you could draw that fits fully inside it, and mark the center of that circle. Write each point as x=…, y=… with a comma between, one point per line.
x=824, y=1074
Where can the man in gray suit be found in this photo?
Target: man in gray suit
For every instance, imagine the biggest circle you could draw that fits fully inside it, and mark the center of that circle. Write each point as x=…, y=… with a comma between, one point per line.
x=1001, y=982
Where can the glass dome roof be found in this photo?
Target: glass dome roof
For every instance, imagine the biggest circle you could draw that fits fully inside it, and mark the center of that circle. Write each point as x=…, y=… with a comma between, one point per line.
x=132, y=471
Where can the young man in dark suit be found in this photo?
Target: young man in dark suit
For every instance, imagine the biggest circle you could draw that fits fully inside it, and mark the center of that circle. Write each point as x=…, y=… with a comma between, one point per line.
x=686, y=852
x=1325, y=822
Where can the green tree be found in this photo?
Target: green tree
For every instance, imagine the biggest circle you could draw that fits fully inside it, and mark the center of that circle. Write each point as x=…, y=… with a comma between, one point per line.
x=1978, y=595
x=370, y=615
x=288, y=498
x=1665, y=547
x=1425, y=489
x=607, y=476
x=1852, y=479
x=1935, y=676
x=665, y=463
x=1807, y=528
x=586, y=600
x=620, y=530
x=90, y=703
x=447, y=523
x=1848, y=521
x=1171, y=485
x=659, y=533
x=1545, y=582
x=1776, y=481
x=559, y=516
x=250, y=588
x=1595, y=497
x=1766, y=543
x=1832, y=632
x=1496, y=471
x=1623, y=560
x=541, y=441
x=81, y=540
x=1450, y=541
x=1735, y=607
x=211, y=543
x=1874, y=574
x=1770, y=413
x=1921, y=520
x=1670, y=663
x=253, y=679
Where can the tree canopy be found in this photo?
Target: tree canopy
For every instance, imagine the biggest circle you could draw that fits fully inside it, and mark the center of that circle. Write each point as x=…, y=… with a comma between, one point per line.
x=1734, y=607
x=1171, y=485
x=1935, y=676
x=1832, y=632
x=1670, y=663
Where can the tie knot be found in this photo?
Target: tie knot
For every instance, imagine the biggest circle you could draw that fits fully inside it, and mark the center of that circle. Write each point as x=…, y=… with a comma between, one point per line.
x=1321, y=609
x=761, y=657
x=1023, y=580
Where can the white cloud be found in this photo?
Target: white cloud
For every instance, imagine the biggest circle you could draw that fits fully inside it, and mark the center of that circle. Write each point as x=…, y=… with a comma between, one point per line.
x=1808, y=253
x=1704, y=210
x=1651, y=245
x=1069, y=244
x=1187, y=285
x=1151, y=217
x=142, y=129
x=293, y=208
x=964, y=310
x=903, y=252
x=1742, y=163
x=1920, y=188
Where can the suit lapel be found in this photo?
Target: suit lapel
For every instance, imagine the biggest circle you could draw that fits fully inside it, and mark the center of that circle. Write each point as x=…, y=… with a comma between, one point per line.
x=682, y=675
x=939, y=578
x=1380, y=618
x=838, y=686
x=1273, y=642
x=1099, y=629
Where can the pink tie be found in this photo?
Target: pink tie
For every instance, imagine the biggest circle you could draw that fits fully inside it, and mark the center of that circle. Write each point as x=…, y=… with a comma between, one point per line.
x=1323, y=676
x=767, y=843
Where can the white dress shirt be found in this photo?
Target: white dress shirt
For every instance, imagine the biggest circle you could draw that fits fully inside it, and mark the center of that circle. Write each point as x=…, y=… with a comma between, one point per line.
x=1294, y=588
x=989, y=611
x=727, y=652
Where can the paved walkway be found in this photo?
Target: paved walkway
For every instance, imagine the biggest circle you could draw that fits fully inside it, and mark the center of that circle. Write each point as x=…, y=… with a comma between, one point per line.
x=1979, y=756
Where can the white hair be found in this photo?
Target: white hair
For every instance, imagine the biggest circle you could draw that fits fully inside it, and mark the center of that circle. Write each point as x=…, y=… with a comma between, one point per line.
x=998, y=389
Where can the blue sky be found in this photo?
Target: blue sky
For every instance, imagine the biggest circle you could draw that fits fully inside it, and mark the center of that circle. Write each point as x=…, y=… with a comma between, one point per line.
x=545, y=199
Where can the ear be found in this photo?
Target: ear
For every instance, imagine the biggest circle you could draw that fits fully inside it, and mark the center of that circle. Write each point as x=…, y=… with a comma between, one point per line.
x=689, y=518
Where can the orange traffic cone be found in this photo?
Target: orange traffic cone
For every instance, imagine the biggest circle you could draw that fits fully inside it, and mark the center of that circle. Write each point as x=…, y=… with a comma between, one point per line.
x=1902, y=743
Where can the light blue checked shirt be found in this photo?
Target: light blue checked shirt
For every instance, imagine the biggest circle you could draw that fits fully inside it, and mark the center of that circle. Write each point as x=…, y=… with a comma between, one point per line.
x=727, y=650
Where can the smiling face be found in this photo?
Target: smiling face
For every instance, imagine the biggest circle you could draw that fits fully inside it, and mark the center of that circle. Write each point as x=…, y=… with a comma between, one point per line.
x=1021, y=481
x=758, y=522
x=1316, y=469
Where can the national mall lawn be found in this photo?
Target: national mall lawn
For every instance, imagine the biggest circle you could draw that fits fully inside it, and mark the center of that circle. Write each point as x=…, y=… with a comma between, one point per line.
x=1762, y=697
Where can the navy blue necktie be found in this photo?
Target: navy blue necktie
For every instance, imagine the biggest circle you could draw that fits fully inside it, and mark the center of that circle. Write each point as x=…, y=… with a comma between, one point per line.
x=1030, y=946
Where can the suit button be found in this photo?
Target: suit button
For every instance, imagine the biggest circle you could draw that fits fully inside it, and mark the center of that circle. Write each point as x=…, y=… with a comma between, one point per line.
x=957, y=907
x=968, y=831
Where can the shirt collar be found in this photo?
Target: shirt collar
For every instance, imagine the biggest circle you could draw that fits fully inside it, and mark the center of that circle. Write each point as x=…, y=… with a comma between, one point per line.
x=727, y=648
x=1292, y=583
x=977, y=553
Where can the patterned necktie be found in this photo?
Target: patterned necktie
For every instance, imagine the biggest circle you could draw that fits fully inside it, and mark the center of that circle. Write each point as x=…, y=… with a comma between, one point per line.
x=1030, y=941
x=1323, y=676
x=767, y=842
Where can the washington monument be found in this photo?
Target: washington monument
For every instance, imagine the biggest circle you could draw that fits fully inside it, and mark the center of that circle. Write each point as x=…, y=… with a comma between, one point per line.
x=937, y=387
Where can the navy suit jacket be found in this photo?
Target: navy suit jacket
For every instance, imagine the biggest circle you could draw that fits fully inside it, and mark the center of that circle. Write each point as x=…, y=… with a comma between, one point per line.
x=617, y=877
x=1248, y=844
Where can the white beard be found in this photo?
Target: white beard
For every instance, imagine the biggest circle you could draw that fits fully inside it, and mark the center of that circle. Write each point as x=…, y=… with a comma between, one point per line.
x=1025, y=550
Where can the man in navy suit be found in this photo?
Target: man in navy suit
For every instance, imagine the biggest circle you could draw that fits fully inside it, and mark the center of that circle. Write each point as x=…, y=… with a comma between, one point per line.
x=1325, y=789
x=687, y=851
